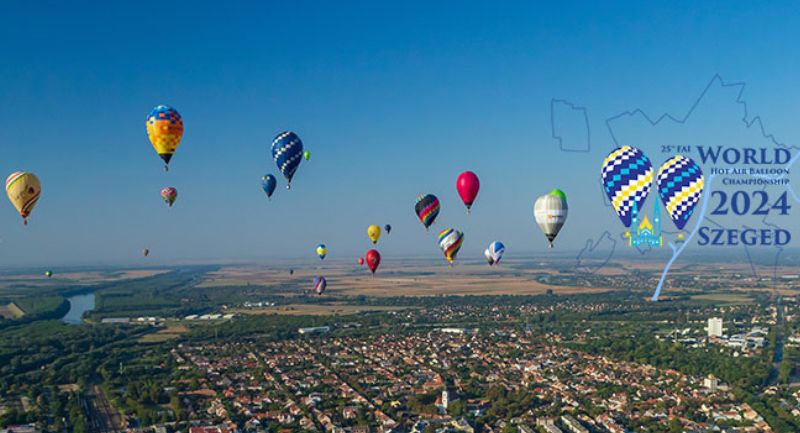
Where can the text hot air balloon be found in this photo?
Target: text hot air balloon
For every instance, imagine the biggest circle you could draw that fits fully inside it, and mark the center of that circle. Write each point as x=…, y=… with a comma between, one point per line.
x=322, y=251
x=680, y=184
x=468, y=185
x=165, y=129
x=287, y=152
x=268, y=184
x=23, y=191
x=550, y=212
x=374, y=232
x=320, y=283
x=496, y=249
x=169, y=194
x=627, y=176
x=373, y=259
x=450, y=241
x=427, y=208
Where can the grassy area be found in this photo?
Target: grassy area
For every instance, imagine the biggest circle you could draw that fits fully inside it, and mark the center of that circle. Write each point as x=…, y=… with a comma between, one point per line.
x=725, y=298
x=171, y=332
x=317, y=309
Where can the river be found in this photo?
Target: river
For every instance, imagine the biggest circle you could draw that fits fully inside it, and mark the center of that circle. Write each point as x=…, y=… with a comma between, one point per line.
x=78, y=304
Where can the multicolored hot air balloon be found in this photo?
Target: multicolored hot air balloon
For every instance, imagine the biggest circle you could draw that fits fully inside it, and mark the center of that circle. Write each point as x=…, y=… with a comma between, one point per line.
x=374, y=232
x=373, y=259
x=427, y=208
x=287, y=152
x=165, y=129
x=145, y=252
x=388, y=228
x=320, y=283
x=550, y=212
x=48, y=274
x=627, y=176
x=306, y=155
x=268, y=184
x=680, y=184
x=496, y=250
x=489, y=257
x=23, y=191
x=169, y=194
x=322, y=251
x=468, y=185
x=450, y=241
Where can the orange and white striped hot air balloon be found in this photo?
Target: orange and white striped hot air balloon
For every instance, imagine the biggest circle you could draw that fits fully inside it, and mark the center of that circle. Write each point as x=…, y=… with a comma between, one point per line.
x=23, y=191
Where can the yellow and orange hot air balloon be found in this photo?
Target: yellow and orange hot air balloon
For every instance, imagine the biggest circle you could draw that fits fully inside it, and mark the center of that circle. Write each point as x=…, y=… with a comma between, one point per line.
x=165, y=129
x=23, y=190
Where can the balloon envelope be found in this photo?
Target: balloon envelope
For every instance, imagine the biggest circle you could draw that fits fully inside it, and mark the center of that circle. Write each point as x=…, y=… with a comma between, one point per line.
x=145, y=252
x=450, y=241
x=388, y=228
x=427, y=209
x=373, y=259
x=268, y=184
x=48, y=274
x=165, y=130
x=374, y=232
x=489, y=257
x=287, y=152
x=680, y=184
x=320, y=283
x=496, y=249
x=361, y=261
x=23, y=190
x=627, y=176
x=169, y=195
x=306, y=155
x=322, y=251
x=550, y=212
x=468, y=185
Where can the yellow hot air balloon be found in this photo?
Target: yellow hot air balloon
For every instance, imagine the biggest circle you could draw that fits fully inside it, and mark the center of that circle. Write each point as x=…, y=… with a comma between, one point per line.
x=374, y=232
x=165, y=129
x=23, y=190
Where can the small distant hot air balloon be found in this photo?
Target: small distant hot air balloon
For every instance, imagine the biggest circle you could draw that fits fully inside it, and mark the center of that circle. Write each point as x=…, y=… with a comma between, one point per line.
x=388, y=228
x=322, y=251
x=306, y=155
x=468, y=185
x=169, y=194
x=268, y=184
x=627, y=175
x=496, y=249
x=320, y=283
x=373, y=259
x=489, y=257
x=550, y=212
x=360, y=261
x=427, y=209
x=145, y=252
x=374, y=232
x=291, y=271
x=450, y=241
x=680, y=184
x=48, y=274
x=165, y=129
x=287, y=152
x=23, y=191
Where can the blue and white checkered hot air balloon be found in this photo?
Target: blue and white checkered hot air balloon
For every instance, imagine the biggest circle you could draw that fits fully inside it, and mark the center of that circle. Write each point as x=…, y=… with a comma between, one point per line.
x=287, y=151
x=627, y=176
x=680, y=184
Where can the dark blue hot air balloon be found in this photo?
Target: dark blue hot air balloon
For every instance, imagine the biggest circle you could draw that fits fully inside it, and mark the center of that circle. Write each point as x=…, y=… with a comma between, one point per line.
x=287, y=152
x=268, y=183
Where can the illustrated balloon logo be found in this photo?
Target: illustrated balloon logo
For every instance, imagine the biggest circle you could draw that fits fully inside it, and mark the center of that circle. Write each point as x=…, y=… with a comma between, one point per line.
x=468, y=185
x=169, y=195
x=450, y=241
x=550, y=212
x=374, y=233
x=427, y=209
x=320, y=283
x=23, y=190
x=373, y=259
x=287, y=152
x=627, y=176
x=165, y=130
x=322, y=251
x=680, y=184
x=268, y=184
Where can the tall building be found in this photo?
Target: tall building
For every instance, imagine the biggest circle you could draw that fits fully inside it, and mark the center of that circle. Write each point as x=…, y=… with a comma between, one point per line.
x=715, y=327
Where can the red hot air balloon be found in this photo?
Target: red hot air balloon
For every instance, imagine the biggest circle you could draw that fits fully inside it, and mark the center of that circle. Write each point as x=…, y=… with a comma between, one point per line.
x=373, y=260
x=468, y=186
x=360, y=261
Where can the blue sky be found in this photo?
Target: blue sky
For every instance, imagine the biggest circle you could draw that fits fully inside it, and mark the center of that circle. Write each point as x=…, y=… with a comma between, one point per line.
x=392, y=101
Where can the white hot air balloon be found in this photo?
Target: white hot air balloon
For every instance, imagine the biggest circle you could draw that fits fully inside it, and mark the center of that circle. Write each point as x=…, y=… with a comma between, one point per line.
x=550, y=211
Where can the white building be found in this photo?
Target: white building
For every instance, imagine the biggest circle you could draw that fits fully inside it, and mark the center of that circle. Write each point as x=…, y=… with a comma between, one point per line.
x=715, y=328
x=711, y=383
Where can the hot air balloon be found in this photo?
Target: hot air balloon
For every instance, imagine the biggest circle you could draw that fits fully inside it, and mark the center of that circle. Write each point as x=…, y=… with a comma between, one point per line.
x=468, y=185
x=291, y=271
x=322, y=251
x=373, y=259
x=388, y=228
x=268, y=184
x=627, y=175
x=169, y=194
x=680, y=184
x=450, y=241
x=23, y=191
x=48, y=274
x=165, y=129
x=287, y=152
x=320, y=283
x=427, y=208
x=550, y=212
x=496, y=249
x=360, y=261
x=306, y=155
x=145, y=252
x=374, y=232
x=489, y=257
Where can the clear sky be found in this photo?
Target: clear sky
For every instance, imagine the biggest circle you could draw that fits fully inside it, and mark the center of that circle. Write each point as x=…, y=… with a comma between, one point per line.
x=392, y=99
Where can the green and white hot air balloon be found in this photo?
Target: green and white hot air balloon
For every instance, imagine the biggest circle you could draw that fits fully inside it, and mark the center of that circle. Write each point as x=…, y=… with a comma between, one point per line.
x=550, y=211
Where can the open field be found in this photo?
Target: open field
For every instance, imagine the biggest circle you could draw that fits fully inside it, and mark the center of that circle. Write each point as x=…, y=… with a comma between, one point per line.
x=317, y=309
x=726, y=298
x=169, y=333
x=11, y=311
